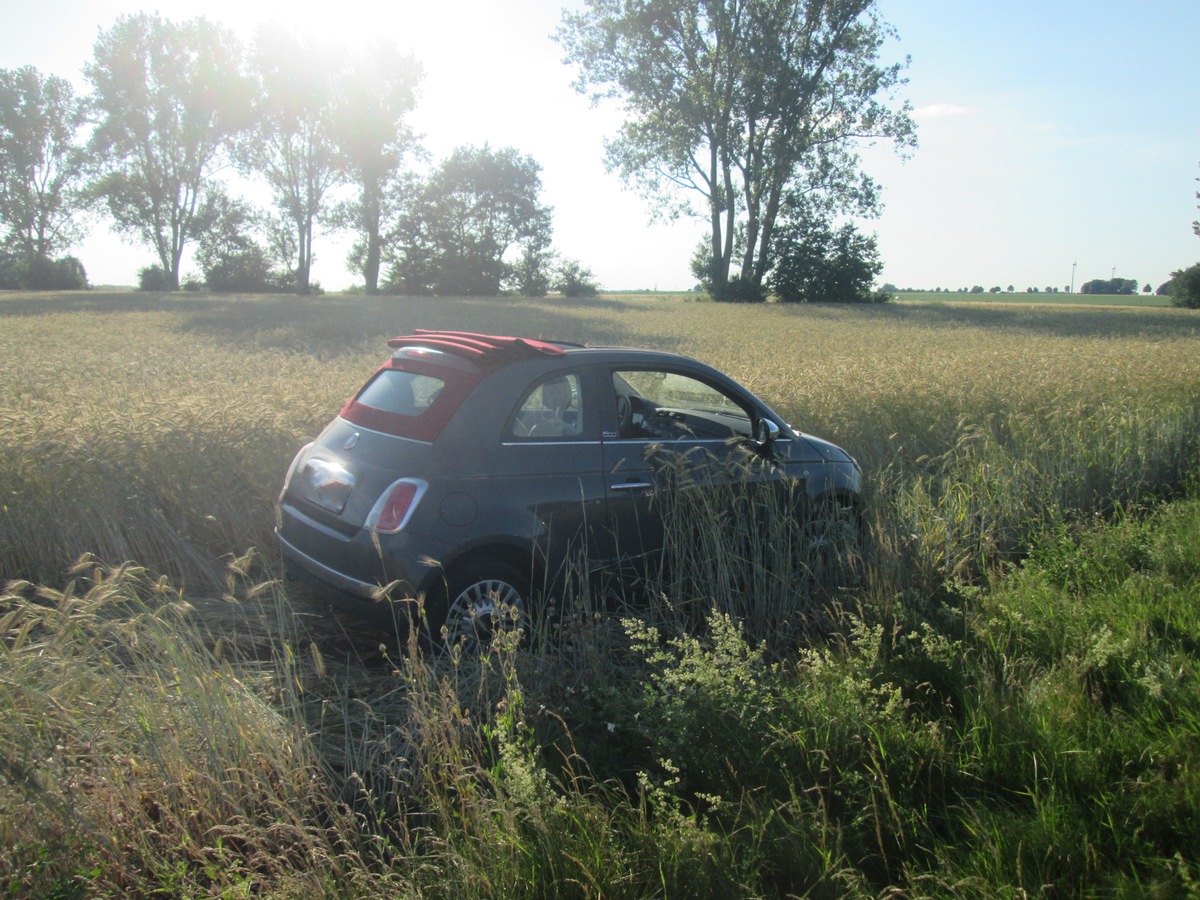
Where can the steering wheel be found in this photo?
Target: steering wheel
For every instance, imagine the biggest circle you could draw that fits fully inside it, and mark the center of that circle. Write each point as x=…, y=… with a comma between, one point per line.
x=624, y=414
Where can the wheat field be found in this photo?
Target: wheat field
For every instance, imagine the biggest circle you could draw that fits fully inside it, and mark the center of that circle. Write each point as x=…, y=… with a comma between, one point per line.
x=158, y=429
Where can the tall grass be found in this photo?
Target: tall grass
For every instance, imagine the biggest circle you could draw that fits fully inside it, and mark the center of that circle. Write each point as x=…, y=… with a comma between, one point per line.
x=1001, y=697
x=137, y=757
x=1038, y=737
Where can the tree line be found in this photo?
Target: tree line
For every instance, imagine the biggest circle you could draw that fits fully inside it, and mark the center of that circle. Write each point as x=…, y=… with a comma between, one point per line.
x=744, y=113
x=174, y=108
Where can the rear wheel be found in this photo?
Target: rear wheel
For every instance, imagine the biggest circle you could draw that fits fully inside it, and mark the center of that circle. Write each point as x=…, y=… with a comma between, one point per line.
x=483, y=598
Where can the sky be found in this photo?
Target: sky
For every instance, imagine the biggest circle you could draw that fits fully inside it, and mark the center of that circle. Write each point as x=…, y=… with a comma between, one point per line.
x=1059, y=140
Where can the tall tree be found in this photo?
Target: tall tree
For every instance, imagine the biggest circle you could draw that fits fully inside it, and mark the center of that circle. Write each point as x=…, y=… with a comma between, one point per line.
x=42, y=164
x=375, y=93
x=474, y=227
x=293, y=144
x=168, y=99
x=739, y=102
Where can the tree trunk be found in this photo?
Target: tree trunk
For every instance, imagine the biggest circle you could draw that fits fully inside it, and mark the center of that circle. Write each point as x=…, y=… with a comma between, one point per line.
x=719, y=265
x=303, y=256
x=371, y=215
x=371, y=265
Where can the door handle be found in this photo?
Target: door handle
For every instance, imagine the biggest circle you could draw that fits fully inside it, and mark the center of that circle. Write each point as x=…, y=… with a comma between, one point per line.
x=633, y=486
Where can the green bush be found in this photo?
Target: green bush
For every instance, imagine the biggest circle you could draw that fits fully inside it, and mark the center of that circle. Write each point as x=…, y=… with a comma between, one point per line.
x=42, y=273
x=740, y=290
x=230, y=256
x=154, y=278
x=819, y=264
x=573, y=279
x=1184, y=287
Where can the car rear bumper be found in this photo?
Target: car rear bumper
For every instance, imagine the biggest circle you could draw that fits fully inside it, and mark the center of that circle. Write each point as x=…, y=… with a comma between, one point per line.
x=358, y=564
x=294, y=556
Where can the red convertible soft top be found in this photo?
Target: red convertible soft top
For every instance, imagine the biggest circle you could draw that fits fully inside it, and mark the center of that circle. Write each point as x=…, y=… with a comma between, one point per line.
x=481, y=347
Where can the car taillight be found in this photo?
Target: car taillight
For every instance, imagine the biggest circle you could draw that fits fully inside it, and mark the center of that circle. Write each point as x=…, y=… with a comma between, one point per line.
x=396, y=505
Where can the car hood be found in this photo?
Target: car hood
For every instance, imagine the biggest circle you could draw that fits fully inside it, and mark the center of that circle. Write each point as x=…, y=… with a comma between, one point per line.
x=830, y=452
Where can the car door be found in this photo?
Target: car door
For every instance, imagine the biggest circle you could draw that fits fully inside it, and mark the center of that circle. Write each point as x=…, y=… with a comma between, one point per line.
x=671, y=431
x=551, y=461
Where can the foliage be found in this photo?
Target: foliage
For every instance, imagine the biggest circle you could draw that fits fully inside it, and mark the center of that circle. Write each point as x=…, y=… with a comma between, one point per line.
x=293, y=143
x=167, y=98
x=816, y=262
x=376, y=90
x=1184, y=287
x=531, y=274
x=701, y=266
x=42, y=171
x=65, y=274
x=1109, y=286
x=230, y=257
x=1196, y=224
x=972, y=747
x=18, y=272
x=739, y=103
x=465, y=223
x=153, y=278
x=574, y=279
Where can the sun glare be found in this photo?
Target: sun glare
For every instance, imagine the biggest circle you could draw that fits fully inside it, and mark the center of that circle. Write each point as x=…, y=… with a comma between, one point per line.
x=354, y=23
x=459, y=44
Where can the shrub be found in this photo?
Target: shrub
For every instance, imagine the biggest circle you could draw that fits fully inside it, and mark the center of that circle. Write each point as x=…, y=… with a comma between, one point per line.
x=530, y=276
x=1109, y=286
x=154, y=278
x=247, y=271
x=1184, y=287
x=230, y=257
x=42, y=273
x=66, y=274
x=816, y=263
x=740, y=290
x=574, y=279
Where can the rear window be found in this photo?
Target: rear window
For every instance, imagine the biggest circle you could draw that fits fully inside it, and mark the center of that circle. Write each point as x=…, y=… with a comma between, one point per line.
x=411, y=398
x=404, y=393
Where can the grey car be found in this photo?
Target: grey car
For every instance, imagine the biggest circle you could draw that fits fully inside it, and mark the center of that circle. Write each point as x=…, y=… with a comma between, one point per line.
x=470, y=468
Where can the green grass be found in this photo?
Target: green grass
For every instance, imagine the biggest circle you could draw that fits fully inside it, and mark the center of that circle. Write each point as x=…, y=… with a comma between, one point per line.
x=1001, y=699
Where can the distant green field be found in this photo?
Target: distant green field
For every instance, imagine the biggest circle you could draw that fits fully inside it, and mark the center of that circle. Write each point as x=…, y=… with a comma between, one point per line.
x=1140, y=300
x=1145, y=301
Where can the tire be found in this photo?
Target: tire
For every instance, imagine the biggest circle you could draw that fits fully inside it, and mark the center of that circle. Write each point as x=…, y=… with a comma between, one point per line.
x=482, y=598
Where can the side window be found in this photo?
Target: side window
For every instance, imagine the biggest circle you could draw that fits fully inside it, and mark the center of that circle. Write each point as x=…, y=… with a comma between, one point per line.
x=551, y=409
x=664, y=406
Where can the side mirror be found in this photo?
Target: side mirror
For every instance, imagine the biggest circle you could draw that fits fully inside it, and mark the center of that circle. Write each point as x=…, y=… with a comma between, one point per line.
x=765, y=432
